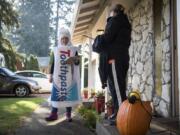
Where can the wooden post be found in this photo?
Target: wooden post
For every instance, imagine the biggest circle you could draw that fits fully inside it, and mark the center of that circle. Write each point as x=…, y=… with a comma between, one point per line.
x=82, y=72
x=90, y=66
x=178, y=44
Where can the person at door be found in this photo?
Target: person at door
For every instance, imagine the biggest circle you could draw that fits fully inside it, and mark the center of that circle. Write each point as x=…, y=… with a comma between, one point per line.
x=117, y=37
x=65, y=76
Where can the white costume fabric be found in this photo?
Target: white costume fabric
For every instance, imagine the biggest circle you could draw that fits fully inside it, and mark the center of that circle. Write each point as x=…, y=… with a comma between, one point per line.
x=66, y=78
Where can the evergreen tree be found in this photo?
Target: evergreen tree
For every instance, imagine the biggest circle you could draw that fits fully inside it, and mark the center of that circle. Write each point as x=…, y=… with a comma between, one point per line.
x=34, y=32
x=39, y=24
x=35, y=64
x=8, y=19
x=64, y=9
x=31, y=63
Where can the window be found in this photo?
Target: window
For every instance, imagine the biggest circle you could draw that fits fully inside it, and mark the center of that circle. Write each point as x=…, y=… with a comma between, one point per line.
x=25, y=74
x=38, y=75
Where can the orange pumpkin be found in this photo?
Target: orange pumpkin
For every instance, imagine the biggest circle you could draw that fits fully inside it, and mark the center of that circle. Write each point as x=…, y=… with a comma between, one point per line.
x=134, y=119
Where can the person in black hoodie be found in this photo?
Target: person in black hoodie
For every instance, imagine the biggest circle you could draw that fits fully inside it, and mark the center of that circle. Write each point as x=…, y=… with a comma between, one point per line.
x=117, y=38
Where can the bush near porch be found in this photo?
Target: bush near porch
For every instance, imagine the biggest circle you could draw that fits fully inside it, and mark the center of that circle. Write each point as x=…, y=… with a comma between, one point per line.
x=89, y=115
x=14, y=110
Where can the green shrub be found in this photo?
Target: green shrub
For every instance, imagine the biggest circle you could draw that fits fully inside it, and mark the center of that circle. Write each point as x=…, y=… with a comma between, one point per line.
x=82, y=110
x=31, y=63
x=89, y=116
x=100, y=94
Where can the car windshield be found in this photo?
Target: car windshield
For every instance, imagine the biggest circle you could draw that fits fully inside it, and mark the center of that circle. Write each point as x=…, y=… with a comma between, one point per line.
x=32, y=74
x=9, y=72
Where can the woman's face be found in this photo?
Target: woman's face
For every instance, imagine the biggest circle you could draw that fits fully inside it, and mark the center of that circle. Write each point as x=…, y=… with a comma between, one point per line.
x=64, y=40
x=112, y=13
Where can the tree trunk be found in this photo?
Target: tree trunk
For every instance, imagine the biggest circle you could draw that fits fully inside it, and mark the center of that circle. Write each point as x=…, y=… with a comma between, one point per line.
x=57, y=23
x=0, y=34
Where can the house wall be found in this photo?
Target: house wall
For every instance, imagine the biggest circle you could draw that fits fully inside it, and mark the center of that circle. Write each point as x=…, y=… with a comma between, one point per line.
x=128, y=4
x=140, y=75
x=141, y=69
x=162, y=102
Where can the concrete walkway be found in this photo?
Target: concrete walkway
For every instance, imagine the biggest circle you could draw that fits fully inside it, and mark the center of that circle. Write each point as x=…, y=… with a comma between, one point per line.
x=36, y=125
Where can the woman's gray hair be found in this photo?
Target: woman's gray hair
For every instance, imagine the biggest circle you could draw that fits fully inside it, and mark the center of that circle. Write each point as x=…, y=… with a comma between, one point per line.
x=118, y=8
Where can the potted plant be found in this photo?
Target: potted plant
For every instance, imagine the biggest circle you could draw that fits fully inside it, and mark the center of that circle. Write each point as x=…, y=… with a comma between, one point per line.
x=93, y=93
x=85, y=93
x=89, y=116
x=100, y=102
x=109, y=105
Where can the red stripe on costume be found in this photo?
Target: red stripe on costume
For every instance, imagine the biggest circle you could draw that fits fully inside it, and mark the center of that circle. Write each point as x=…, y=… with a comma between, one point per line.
x=68, y=52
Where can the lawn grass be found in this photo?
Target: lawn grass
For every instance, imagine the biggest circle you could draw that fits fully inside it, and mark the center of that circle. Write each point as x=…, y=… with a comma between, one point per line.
x=13, y=110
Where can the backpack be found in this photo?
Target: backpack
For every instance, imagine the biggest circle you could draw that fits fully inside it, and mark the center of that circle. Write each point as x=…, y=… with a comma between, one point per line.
x=99, y=44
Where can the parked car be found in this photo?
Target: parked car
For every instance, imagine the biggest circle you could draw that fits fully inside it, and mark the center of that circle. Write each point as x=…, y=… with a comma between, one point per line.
x=40, y=77
x=10, y=83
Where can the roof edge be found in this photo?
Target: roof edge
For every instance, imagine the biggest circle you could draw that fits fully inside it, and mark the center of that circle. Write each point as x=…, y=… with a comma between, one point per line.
x=75, y=16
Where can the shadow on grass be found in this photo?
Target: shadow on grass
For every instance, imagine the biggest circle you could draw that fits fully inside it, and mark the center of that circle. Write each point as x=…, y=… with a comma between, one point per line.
x=44, y=95
x=12, y=112
x=76, y=127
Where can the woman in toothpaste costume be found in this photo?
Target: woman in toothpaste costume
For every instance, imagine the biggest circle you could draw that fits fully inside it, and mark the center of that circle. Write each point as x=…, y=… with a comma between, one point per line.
x=65, y=76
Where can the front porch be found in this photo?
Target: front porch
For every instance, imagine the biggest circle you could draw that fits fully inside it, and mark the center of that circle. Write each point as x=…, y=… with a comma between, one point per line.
x=153, y=57
x=159, y=126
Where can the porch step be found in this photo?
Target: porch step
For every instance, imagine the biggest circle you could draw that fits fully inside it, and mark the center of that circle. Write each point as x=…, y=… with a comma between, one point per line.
x=168, y=125
x=102, y=128
x=159, y=130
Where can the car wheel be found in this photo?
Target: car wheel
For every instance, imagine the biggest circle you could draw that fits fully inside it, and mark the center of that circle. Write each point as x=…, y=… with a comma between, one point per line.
x=21, y=90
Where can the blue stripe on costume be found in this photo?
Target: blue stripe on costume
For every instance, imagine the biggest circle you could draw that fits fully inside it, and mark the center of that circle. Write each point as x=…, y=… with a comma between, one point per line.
x=54, y=95
x=72, y=94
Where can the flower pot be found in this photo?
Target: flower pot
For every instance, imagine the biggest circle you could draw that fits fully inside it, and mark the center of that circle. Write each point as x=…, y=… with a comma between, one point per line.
x=100, y=104
x=85, y=94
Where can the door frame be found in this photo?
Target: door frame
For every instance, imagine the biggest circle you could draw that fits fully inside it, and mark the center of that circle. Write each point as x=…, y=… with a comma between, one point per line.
x=175, y=51
x=178, y=44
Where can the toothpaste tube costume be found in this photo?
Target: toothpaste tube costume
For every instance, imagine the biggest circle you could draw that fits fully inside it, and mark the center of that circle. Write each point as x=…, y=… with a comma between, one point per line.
x=66, y=77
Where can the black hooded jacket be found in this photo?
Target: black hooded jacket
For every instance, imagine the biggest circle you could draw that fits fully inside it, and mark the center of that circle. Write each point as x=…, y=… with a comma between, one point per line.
x=117, y=36
x=116, y=40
